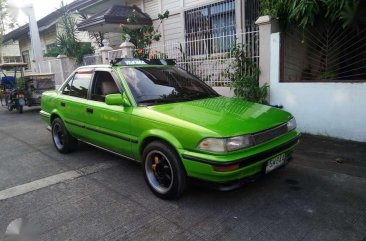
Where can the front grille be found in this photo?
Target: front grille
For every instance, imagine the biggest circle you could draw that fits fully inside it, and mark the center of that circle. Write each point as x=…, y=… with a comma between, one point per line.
x=270, y=134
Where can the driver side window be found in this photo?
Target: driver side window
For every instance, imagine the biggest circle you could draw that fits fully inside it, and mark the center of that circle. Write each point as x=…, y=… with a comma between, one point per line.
x=104, y=84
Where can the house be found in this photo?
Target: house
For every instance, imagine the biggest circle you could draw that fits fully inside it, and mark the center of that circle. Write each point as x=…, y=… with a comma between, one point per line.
x=48, y=29
x=10, y=52
x=198, y=34
x=189, y=20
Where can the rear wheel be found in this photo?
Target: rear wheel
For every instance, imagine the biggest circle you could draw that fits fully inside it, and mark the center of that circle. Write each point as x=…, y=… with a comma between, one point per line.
x=62, y=139
x=163, y=171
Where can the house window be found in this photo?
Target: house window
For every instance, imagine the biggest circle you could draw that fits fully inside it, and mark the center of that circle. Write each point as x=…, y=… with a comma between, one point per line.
x=210, y=29
x=26, y=59
x=12, y=59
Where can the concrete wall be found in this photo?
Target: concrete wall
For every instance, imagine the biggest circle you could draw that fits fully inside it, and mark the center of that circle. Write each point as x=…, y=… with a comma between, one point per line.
x=331, y=109
x=224, y=91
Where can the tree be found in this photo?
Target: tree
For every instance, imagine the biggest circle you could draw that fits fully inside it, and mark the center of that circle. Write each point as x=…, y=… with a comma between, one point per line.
x=143, y=37
x=6, y=22
x=305, y=13
x=67, y=40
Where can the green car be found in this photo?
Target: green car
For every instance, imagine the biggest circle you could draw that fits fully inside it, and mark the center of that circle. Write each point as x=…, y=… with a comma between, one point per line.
x=179, y=128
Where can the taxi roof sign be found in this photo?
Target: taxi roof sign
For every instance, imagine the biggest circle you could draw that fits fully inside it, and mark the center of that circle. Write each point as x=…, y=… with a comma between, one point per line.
x=136, y=61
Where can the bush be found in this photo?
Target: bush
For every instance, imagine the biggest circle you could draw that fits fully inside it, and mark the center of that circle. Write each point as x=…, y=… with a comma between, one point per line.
x=243, y=74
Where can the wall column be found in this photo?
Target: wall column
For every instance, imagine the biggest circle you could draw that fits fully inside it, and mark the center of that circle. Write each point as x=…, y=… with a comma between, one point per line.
x=104, y=52
x=267, y=25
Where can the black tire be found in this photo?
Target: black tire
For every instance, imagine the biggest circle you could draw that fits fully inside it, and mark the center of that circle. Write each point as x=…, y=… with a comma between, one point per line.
x=20, y=109
x=163, y=171
x=61, y=138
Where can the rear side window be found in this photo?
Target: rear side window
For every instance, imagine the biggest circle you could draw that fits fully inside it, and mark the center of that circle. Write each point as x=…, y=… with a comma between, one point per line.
x=80, y=85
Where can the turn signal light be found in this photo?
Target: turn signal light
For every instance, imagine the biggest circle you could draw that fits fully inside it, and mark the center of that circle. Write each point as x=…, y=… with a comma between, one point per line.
x=226, y=168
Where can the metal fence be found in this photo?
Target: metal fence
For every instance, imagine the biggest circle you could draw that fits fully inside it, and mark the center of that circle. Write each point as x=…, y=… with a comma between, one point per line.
x=323, y=53
x=210, y=63
x=92, y=59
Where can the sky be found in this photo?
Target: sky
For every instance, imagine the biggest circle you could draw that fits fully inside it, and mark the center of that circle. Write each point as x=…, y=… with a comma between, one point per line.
x=41, y=8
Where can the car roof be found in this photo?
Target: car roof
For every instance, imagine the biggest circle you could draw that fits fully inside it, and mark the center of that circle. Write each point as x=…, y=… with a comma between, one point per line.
x=133, y=62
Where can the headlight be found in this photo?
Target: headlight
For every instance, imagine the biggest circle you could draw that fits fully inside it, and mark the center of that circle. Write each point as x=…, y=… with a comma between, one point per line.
x=238, y=142
x=213, y=144
x=225, y=144
x=291, y=124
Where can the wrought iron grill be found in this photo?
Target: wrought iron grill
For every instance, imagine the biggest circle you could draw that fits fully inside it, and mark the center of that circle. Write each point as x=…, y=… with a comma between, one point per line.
x=210, y=32
x=326, y=53
x=208, y=67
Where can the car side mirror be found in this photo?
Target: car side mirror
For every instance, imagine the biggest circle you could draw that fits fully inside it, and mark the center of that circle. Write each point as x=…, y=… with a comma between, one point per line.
x=117, y=99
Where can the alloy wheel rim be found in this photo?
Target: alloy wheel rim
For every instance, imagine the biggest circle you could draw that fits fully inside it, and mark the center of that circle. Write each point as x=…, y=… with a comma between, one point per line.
x=58, y=136
x=159, y=171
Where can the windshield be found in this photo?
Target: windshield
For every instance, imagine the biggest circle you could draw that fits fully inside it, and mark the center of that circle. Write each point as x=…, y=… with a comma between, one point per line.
x=152, y=85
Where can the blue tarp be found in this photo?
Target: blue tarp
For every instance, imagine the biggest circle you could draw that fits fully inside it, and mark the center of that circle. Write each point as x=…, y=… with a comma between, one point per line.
x=7, y=80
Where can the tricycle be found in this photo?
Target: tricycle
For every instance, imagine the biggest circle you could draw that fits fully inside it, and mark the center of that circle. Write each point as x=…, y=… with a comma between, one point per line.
x=35, y=85
x=24, y=91
x=12, y=96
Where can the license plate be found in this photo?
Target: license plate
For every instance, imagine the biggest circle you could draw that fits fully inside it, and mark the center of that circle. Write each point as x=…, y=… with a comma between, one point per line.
x=275, y=162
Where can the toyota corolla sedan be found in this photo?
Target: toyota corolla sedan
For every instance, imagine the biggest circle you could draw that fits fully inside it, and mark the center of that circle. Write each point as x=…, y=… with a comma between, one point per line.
x=179, y=128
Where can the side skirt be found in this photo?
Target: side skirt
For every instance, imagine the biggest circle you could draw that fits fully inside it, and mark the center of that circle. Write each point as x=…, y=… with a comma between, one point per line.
x=112, y=152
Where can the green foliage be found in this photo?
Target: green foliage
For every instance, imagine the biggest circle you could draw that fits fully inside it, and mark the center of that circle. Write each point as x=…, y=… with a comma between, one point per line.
x=53, y=52
x=243, y=73
x=304, y=13
x=143, y=36
x=67, y=41
x=147, y=54
x=20, y=83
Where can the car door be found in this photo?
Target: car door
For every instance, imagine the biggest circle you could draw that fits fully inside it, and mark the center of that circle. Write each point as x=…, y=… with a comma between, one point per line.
x=72, y=102
x=108, y=126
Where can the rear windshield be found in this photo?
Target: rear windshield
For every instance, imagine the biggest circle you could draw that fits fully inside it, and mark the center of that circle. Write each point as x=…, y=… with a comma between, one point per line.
x=152, y=85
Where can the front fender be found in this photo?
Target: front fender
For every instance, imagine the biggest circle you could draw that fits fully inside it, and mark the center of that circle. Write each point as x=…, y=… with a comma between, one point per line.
x=160, y=134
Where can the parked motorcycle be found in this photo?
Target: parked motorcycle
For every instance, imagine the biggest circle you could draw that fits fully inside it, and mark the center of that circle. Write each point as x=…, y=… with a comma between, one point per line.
x=15, y=100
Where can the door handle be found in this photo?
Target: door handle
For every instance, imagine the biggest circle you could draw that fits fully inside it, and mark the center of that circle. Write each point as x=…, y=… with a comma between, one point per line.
x=89, y=110
x=63, y=104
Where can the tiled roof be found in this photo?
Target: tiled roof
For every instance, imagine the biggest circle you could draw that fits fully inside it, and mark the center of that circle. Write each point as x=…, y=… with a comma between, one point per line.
x=116, y=14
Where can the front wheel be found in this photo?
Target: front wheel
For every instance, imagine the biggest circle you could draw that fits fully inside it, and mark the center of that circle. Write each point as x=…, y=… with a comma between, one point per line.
x=163, y=171
x=62, y=139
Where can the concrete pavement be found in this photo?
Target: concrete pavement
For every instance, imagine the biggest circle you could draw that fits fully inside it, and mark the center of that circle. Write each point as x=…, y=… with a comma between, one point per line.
x=321, y=195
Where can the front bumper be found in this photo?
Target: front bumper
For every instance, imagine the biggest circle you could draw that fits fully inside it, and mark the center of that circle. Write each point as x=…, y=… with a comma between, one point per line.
x=231, y=185
x=250, y=163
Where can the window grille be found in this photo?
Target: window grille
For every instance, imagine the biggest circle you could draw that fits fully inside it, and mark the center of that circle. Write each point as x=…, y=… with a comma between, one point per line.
x=210, y=29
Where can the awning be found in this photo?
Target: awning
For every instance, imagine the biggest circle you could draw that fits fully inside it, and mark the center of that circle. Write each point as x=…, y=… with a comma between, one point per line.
x=110, y=20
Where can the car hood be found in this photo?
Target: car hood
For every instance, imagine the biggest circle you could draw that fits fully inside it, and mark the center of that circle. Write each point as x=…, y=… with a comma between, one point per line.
x=225, y=116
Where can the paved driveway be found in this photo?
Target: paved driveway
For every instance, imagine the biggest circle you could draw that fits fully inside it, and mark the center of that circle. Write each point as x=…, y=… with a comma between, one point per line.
x=321, y=195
